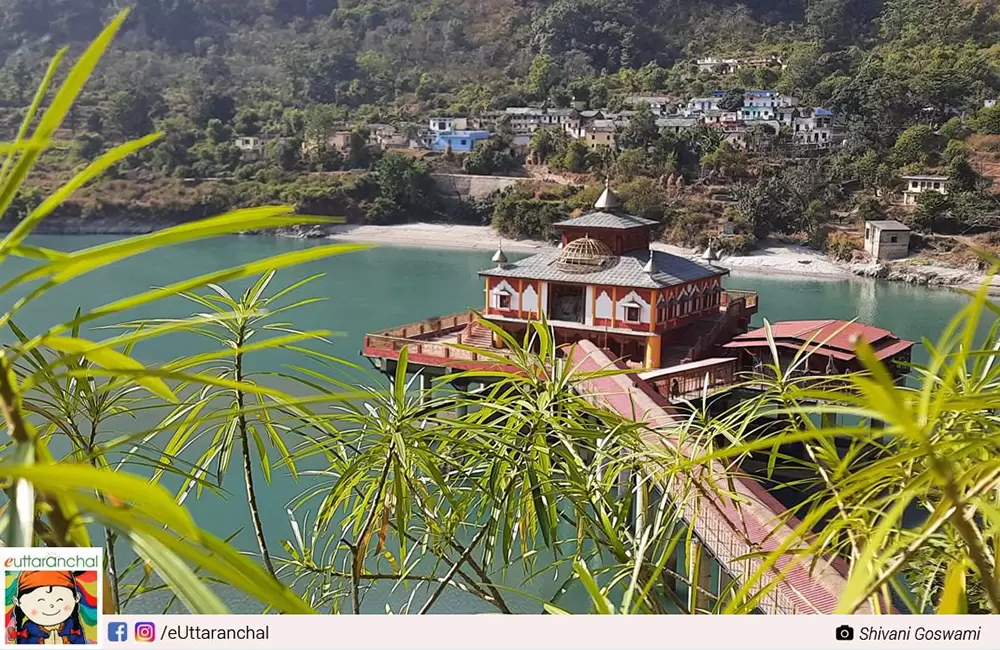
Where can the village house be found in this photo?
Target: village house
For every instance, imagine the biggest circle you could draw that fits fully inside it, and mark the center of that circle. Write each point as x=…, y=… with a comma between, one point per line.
x=718, y=65
x=816, y=126
x=676, y=124
x=335, y=141
x=599, y=133
x=438, y=124
x=658, y=104
x=251, y=147
x=457, y=141
x=386, y=136
x=887, y=240
x=764, y=104
x=704, y=104
x=918, y=184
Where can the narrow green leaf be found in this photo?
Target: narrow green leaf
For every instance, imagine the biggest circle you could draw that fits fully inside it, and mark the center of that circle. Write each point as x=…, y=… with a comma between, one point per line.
x=111, y=360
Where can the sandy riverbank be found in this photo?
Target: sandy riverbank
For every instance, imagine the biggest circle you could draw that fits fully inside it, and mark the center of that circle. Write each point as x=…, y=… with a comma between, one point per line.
x=770, y=260
x=784, y=260
x=436, y=235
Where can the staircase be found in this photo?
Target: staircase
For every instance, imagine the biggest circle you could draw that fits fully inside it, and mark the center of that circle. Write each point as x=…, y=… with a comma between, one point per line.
x=477, y=335
x=691, y=343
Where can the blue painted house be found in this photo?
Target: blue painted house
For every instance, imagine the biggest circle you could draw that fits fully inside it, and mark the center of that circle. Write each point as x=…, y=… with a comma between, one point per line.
x=457, y=141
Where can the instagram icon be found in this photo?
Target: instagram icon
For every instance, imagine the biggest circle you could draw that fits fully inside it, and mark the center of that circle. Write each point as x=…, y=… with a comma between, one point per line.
x=145, y=632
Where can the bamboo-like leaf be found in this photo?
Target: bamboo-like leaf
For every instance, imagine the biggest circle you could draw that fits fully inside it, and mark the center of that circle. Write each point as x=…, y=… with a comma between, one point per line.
x=111, y=360
x=17, y=236
x=954, y=598
x=184, y=582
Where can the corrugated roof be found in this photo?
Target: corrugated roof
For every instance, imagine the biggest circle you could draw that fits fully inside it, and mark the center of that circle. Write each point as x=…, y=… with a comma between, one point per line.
x=606, y=220
x=829, y=334
x=670, y=270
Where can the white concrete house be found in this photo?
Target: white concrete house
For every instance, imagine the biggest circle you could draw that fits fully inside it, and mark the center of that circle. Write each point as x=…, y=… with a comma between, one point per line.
x=920, y=183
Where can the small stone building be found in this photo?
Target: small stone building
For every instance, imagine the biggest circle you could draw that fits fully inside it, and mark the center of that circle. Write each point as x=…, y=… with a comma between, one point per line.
x=887, y=240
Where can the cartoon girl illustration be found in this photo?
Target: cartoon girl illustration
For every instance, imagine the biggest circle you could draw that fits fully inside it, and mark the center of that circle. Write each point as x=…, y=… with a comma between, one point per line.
x=47, y=609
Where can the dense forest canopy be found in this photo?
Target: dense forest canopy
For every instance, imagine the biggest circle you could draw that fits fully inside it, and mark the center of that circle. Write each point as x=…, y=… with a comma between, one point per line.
x=887, y=55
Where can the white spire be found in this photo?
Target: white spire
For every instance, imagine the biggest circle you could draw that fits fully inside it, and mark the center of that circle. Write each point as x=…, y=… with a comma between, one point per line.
x=608, y=199
x=499, y=258
x=650, y=267
x=710, y=255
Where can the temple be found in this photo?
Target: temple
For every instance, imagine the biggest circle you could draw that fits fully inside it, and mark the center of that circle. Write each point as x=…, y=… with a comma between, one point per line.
x=604, y=284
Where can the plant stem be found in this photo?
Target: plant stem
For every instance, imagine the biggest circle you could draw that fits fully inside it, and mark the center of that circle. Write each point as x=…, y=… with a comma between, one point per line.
x=258, y=526
x=451, y=572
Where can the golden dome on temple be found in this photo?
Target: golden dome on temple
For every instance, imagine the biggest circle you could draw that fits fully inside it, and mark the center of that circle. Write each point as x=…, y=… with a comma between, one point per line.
x=585, y=255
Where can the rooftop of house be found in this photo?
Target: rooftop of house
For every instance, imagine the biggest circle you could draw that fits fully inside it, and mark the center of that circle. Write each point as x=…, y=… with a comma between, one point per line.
x=888, y=224
x=627, y=270
x=464, y=134
x=606, y=220
x=676, y=121
x=836, y=338
x=924, y=177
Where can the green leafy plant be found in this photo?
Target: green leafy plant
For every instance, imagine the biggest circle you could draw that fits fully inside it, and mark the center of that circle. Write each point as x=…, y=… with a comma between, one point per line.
x=51, y=500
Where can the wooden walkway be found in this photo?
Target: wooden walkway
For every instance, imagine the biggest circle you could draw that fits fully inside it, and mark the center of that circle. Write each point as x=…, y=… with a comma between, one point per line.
x=750, y=521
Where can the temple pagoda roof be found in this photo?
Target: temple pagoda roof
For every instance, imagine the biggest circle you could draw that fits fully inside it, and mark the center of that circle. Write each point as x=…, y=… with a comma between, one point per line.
x=627, y=270
x=606, y=220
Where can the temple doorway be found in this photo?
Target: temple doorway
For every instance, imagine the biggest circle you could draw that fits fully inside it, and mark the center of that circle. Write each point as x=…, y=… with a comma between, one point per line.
x=566, y=303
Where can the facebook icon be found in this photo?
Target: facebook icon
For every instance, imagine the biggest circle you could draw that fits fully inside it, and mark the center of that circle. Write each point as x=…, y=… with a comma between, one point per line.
x=117, y=632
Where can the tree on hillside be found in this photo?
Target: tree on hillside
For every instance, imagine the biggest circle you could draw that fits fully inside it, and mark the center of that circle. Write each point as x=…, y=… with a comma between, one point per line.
x=404, y=182
x=543, y=75
x=641, y=131
x=212, y=105
x=131, y=111
x=732, y=100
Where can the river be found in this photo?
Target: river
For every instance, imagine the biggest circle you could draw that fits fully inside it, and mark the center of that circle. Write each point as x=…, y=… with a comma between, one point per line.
x=382, y=287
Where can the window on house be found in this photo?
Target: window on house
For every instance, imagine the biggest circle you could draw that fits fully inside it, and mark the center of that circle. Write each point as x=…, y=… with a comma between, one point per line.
x=632, y=313
x=463, y=142
x=661, y=313
x=937, y=186
x=503, y=301
x=892, y=239
x=868, y=233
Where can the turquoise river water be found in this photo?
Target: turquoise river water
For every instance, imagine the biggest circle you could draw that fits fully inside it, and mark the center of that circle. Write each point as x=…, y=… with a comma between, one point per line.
x=378, y=288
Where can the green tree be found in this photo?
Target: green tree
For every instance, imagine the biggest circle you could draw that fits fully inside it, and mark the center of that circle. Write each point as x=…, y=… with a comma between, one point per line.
x=732, y=100
x=641, y=131
x=131, y=111
x=404, y=182
x=543, y=75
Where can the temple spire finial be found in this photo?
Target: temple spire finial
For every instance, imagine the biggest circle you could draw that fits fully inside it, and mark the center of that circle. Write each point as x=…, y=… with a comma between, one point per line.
x=608, y=200
x=499, y=258
x=650, y=267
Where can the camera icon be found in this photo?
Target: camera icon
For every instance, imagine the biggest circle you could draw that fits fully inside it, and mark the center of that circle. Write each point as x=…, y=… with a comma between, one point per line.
x=845, y=633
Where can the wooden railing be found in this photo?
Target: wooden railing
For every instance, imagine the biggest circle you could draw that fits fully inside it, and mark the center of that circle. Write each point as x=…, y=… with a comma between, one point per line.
x=437, y=349
x=749, y=298
x=429, y=327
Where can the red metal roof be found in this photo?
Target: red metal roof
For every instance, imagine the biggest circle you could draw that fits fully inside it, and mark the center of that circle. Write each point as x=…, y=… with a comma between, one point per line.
x=829, y=334
x=734, y=529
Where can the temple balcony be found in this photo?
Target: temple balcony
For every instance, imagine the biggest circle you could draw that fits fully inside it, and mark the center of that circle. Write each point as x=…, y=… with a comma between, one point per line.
x=440, y=342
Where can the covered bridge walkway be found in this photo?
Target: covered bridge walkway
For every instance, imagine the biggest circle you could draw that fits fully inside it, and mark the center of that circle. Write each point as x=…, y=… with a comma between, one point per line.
x=730, y=527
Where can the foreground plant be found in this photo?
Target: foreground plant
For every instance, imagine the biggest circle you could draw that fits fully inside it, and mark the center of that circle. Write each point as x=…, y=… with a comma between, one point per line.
x=51, y=502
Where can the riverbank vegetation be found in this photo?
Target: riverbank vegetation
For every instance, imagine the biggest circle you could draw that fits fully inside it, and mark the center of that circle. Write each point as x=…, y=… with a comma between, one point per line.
x=452, y=489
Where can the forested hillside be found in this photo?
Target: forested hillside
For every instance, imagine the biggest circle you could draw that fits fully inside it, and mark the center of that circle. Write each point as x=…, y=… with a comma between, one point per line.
x=907, y=77
x=884, y=58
